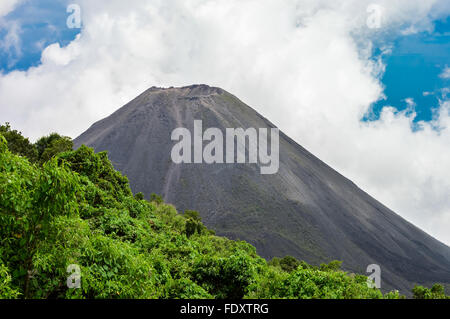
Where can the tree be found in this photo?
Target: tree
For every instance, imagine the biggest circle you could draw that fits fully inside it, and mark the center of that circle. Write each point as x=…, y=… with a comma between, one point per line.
x=139, y=196
x=57, y=146
x=18, y=144
x=334, y=265
x=98, y=169
x=29, y=201
x=289, y=263
x=193, y=214
x=41, y=151
x=51, y=145
x=6, y=291
x=156, y=198
x=193, y=223
x=226, y=278
x=44, y=142
x=436, y=292
x=193, y=227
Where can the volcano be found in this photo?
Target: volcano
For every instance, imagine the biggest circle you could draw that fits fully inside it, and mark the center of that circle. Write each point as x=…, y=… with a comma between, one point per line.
x=305, y=209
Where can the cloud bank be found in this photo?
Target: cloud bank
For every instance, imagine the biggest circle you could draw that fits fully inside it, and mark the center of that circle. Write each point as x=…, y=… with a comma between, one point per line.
x=306, y=65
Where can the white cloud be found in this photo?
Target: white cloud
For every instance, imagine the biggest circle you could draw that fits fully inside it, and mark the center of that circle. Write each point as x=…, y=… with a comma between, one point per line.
x=445, y=73
x=6, y=6
x=11, y=42
x=307, y=58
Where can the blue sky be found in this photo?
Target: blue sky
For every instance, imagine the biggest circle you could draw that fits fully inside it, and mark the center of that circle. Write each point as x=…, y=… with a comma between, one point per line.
x=413, y=70
x=41, y=23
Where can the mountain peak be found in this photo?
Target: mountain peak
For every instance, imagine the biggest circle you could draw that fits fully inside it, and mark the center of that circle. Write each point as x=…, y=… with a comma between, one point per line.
x=190, y=90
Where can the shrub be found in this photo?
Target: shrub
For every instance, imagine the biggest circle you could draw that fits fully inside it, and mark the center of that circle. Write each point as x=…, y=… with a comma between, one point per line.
x=226, y=278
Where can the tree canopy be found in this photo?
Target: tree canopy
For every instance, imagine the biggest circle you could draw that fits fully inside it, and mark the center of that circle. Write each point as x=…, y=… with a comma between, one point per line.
x=71, y=207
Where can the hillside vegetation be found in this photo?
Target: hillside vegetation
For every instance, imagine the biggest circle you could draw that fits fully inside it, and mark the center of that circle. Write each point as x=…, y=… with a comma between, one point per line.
x=60, y=207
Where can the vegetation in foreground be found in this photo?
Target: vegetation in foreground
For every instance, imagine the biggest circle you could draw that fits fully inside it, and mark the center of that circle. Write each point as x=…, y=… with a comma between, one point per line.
x=60, y=207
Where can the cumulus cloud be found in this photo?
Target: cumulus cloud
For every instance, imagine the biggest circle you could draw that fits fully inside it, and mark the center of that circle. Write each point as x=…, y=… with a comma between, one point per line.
x=304, y=64
x=445, y=73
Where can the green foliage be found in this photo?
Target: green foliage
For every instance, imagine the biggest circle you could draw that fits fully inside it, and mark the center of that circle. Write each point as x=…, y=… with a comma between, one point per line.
x=193, y=223
x=334, y=265
x=75, y=209
x=226, y=278
x=436, y=292
x=393, y=295
x=287, y=263
x=193, y=227
x=18, y=144
x=192, y=214
x=58, y=145
x=47, y=146
x=41, y=151
x=139, y=196
x=29, y=200
x=99, y=170
x=317, y=284
x=156, y=198
x=185, y=289
x=6, y=291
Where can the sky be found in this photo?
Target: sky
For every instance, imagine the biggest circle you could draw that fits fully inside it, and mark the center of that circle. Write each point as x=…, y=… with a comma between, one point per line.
x=363, y=85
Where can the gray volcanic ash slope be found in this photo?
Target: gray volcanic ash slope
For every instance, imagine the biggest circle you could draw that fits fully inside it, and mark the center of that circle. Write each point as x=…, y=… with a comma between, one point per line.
x=306, y=210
